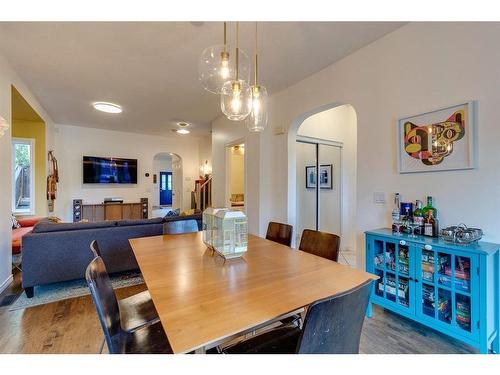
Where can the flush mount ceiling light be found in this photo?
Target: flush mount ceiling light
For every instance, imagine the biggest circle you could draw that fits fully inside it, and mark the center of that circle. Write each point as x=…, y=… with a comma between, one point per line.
x=107, y=107
x=182, y=128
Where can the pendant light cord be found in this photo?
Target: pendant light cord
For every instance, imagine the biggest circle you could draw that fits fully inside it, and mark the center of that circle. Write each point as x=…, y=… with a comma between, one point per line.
x=225, y=36
x=256, y=58
x=237, y=50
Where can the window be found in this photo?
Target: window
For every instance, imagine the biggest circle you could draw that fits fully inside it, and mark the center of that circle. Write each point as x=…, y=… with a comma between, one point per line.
x=23, y=176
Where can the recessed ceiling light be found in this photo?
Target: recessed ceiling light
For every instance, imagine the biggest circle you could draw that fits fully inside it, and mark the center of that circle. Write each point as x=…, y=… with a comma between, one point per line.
x=107, y=107
x=182, y=131
x=182, y=124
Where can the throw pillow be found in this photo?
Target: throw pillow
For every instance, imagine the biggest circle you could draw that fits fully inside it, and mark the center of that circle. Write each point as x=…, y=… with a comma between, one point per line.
x=187, y=213
x=173, y=213
x=15, y=223
x=55, y=219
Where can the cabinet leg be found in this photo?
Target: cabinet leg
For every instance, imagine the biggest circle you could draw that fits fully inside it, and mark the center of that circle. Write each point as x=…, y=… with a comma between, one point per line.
x=369, y=310
x=496, y=345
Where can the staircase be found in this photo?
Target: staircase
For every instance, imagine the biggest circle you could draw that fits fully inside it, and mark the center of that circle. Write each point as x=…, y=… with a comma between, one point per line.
x=203, y=193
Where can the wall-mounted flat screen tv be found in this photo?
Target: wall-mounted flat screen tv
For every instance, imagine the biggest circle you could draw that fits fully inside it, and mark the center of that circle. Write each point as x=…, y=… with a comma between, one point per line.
x=97, y=170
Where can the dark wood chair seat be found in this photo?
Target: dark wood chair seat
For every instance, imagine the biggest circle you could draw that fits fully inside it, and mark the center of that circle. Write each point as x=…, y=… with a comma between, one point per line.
x=280, y=233
x=332, y=326
x=148, y=338
x=322, y=244
x=135, y=311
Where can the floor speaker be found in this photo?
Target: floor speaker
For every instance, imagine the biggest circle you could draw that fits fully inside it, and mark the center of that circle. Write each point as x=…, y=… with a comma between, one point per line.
x=144, y=203
x=77, y=210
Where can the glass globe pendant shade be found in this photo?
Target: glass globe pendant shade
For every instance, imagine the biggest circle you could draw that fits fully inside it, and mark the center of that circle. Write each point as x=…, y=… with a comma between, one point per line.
x=236, y=100
x=257, y=119
x=217, y=66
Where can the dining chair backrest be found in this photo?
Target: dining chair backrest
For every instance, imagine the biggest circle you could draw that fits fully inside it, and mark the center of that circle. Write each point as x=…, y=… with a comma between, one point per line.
x=333, y=325
x=104, y=299
x=322, y=244
x=280, y=233
x=94, y=247
x=180, y=226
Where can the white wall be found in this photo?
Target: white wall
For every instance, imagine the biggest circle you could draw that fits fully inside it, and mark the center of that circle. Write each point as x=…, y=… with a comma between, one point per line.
x=9, y=77
x=417, y=68
x=338, y=124
x=72, y=142
x=226, y=132
x=237, y=172
x=205, y=150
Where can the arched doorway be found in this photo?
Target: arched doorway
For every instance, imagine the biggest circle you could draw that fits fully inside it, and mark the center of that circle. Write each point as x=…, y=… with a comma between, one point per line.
x=166, y=193
x=323, y=143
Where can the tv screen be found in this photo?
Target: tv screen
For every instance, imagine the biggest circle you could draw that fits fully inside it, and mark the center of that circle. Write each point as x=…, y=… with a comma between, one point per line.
x=98, y=170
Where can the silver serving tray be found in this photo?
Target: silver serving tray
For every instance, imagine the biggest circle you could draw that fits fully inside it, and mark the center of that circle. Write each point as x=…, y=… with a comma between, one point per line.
x=461, y=234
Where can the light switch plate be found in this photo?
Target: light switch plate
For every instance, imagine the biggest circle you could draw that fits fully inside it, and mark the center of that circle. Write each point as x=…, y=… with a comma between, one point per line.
x=379, y=198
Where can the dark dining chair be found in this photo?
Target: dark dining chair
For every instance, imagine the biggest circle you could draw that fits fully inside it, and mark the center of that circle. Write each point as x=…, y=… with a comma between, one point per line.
x=280, y=233
x=137, y=310
x=149, y=339
x=331, y=326
x=322, y=244
x=180, y=227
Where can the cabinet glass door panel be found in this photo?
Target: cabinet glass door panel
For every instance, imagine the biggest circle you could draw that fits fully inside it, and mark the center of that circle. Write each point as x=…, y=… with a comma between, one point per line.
x=379, y=284
x=390, y=286
x=390, y=256
x=444, y=269
x=463, y=311
x=428, y=266
x=462, y=274
x=429, y=300
x=378, y=254
x=404, y=260
x=404, y=291
x=444, y=305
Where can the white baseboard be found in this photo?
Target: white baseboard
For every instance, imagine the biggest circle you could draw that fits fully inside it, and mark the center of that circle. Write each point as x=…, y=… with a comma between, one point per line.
x=6, y=283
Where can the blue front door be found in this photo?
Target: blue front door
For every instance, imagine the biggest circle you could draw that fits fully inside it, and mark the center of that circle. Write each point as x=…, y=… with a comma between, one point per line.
x=166, y=188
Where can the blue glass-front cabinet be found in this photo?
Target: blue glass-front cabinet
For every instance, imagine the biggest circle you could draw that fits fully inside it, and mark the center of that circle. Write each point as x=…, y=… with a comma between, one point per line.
x=449, y=287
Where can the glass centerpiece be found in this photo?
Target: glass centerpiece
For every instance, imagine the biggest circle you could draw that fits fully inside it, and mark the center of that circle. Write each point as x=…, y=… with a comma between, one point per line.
x=209, y=229
x=230, y=237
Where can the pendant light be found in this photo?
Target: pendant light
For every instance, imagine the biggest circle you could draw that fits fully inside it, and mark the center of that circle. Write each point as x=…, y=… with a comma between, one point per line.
x=257, y=120
x=216, y=67
x=236, y=98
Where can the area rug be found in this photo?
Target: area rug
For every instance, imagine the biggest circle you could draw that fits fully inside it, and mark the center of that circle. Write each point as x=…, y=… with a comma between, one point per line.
x=70, y=289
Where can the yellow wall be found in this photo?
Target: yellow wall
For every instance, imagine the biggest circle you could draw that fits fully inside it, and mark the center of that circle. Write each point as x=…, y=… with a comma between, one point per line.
x=237, y=172
x=35, y=130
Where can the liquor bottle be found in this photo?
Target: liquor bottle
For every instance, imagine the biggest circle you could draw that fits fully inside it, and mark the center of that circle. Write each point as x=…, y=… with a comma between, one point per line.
x=418, y=218
x=430, y=225
x=396, y=217
x=429, y=207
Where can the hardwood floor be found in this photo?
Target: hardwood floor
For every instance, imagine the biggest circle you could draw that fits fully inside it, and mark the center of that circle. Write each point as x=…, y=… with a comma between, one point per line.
x=72, y=326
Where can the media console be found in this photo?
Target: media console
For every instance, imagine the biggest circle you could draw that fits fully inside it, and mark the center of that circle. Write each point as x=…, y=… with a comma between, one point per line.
x=110, y=211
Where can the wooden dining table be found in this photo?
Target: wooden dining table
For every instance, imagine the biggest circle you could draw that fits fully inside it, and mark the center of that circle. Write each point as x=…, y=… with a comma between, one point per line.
x=203, y=300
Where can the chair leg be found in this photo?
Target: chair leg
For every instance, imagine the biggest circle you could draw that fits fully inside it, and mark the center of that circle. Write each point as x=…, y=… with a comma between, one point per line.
x=30, y=291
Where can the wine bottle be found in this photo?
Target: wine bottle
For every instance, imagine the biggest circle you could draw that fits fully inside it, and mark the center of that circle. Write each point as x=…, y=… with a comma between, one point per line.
x=431, y=225
x=418, y=218
x=429, y=207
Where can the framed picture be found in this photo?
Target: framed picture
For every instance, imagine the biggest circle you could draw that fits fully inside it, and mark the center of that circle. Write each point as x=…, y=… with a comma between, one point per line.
x=325, y=176
x=440, y=140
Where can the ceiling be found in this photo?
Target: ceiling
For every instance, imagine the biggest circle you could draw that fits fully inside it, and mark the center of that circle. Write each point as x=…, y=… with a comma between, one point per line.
x=151, y=68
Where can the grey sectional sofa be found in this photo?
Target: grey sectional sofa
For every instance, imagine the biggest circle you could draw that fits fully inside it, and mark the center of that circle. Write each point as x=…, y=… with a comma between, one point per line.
x=60, y=252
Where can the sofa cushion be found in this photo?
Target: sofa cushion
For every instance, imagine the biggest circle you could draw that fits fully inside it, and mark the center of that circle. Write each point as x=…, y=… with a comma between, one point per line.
x=15, y=223
x=45, y=226
x=125, y=223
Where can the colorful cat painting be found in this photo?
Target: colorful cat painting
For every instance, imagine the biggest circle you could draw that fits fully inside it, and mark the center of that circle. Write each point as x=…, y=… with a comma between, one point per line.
x=431, y=143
